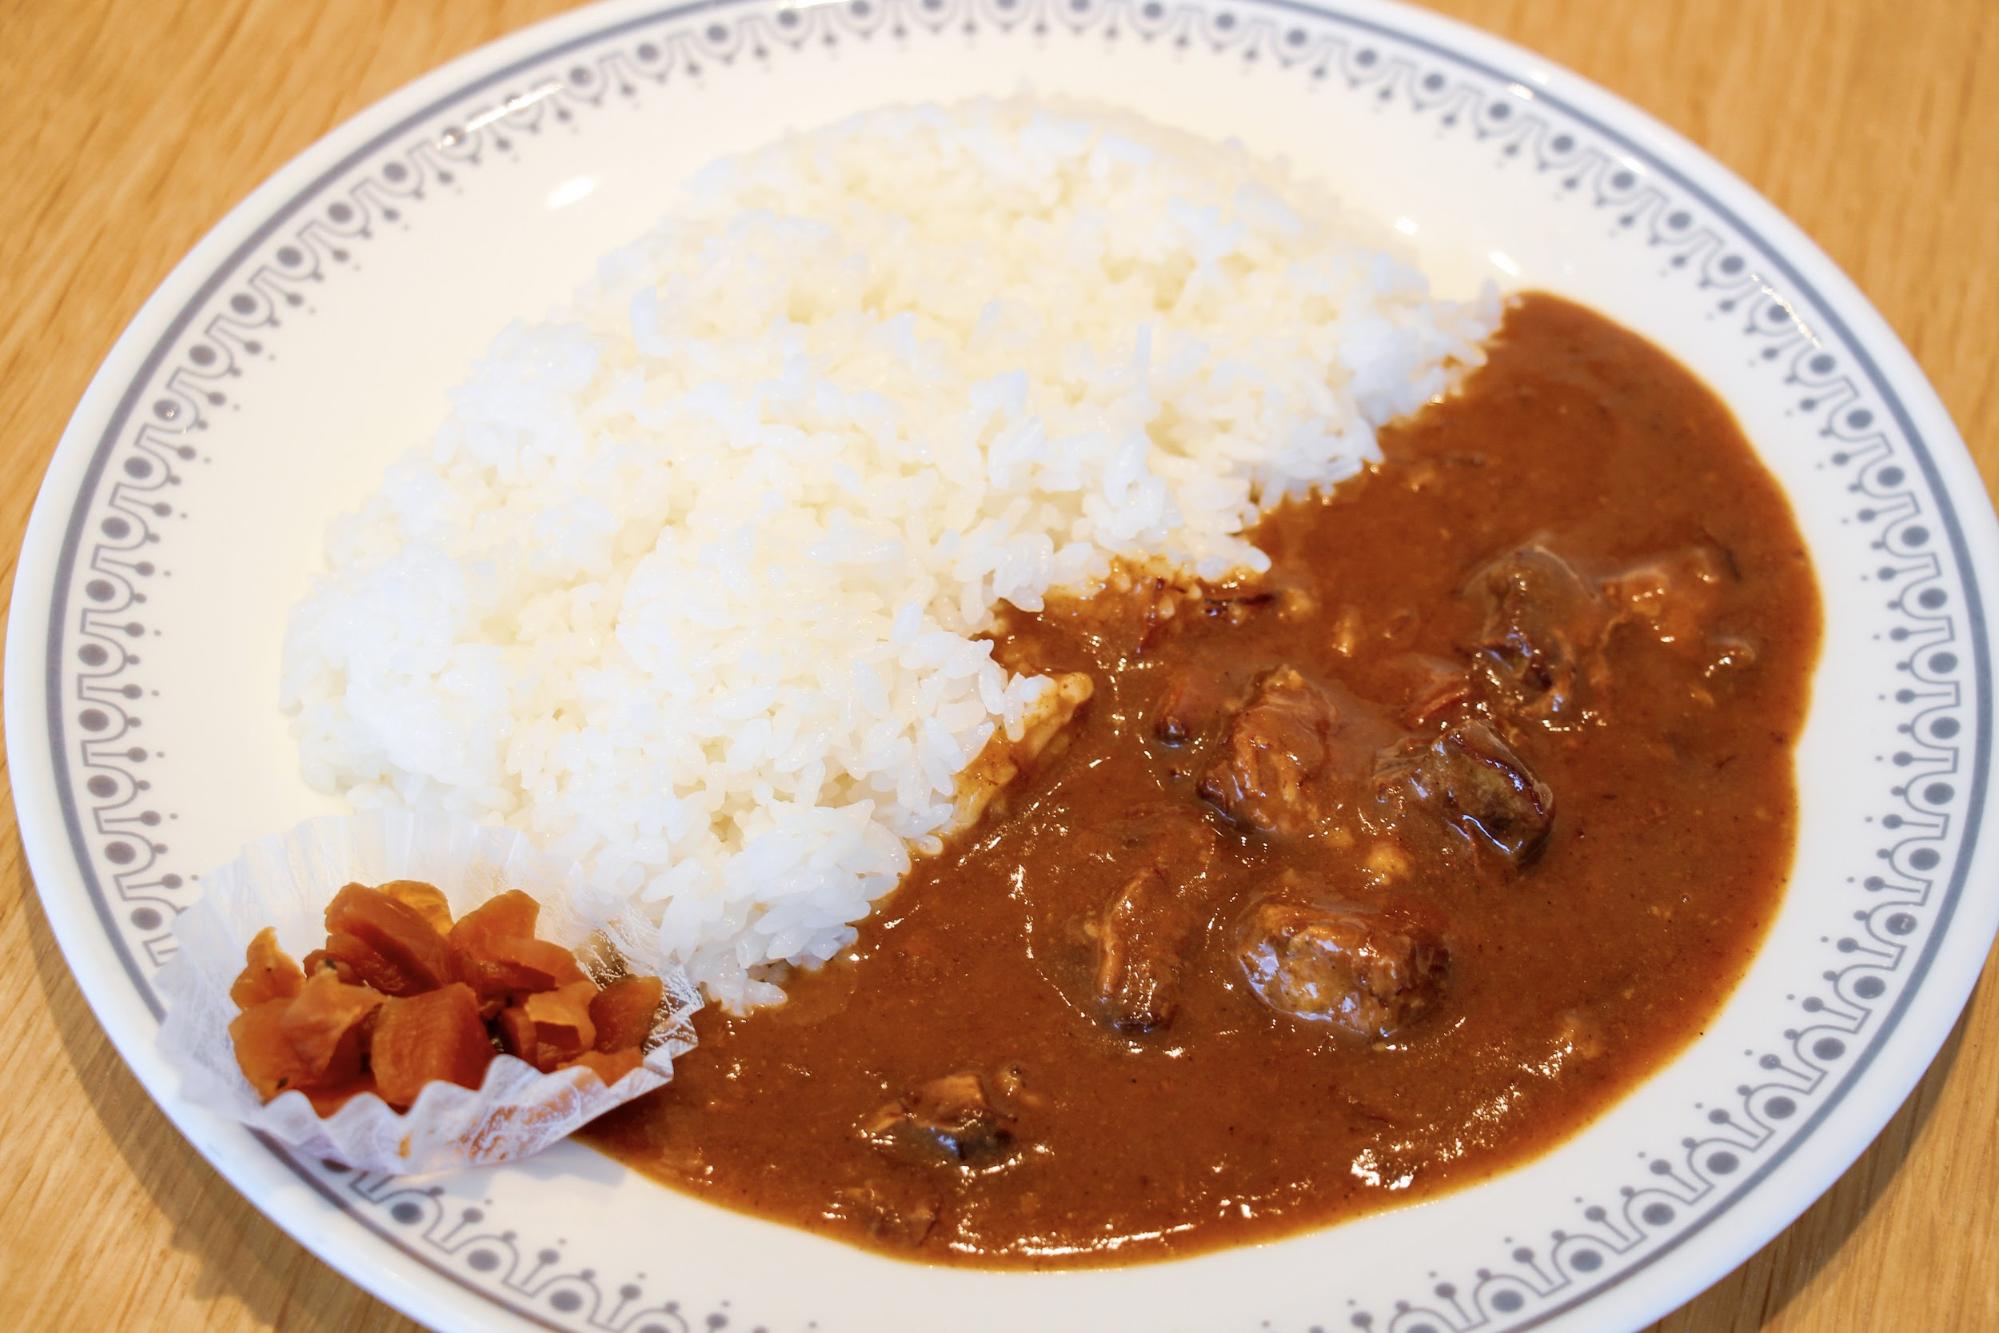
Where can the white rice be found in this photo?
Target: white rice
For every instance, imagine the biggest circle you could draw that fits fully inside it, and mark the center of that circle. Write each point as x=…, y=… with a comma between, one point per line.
x=687, y=586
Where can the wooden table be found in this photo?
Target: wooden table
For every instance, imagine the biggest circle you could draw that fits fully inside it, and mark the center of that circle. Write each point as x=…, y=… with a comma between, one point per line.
x=131, y=125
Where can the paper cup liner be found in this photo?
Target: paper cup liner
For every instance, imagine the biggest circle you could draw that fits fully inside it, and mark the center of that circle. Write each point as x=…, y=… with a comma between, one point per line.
x=286, y=881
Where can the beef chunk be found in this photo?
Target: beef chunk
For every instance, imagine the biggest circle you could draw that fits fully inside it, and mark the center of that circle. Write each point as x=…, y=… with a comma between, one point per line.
x=1544, y=630
x=1473, y=781
x=1547, y=627
x=1145, y=932
x=1278, y=745
x=947, y=1120
x=1141, y=939
x=1368, y=973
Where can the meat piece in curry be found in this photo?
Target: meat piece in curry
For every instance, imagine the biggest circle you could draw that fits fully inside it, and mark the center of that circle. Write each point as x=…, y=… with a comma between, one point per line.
x=948, y=1119
x=1280, y=763
x=1146, y=931
x=1364, y=971
x=1544, y=626
x=1340, y=885
x=1468, y=779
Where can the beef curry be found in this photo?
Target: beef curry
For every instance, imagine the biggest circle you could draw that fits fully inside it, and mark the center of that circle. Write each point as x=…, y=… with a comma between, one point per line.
x=1369, y=875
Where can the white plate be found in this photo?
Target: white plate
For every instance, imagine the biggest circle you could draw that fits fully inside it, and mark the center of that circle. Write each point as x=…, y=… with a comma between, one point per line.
x=313, y=335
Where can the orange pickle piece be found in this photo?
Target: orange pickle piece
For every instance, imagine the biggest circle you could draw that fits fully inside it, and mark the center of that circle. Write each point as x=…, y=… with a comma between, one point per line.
x=393, y=931
x=623, y=1012
x=517, y=1034
x=262, y=1052
x=326, y=1024
x=320, y=960
x=268, y=973
x=514, y=966
x=562, y=1026
x=421, y=1038
x=361, y=963
x=493, y=949
x=503, y=916
x=426, y=900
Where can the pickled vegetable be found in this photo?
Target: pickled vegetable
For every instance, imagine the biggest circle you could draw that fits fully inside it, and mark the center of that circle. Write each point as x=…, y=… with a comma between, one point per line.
x=262, y=1052
x=402, y=996
x=325, y=1025
x=493, y=950
x=426, y=900
x=624, y=1010
x=394, y=931
x=434, y=1036
x=268, y=973
x=562, y=1026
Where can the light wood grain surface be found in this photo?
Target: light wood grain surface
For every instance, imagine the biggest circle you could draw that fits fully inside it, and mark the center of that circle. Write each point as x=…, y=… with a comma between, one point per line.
x=127, y=127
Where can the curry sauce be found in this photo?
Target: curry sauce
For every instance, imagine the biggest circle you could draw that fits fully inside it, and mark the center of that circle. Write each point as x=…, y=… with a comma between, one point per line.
x=1360, y=878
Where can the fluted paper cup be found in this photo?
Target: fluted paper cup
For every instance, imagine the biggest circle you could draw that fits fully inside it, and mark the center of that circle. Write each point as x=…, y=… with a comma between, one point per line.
x=286, y=881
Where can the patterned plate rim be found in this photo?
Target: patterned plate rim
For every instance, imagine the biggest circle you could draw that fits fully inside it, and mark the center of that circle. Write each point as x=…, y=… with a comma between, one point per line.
x=1672, y=160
